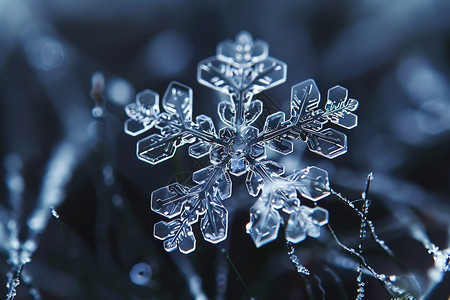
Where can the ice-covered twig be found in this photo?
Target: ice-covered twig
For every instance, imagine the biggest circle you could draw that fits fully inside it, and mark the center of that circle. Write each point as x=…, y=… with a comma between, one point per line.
x=295, y=260
x=368, y=223
x=380, y=277
x=417, y=231
x=362, y=235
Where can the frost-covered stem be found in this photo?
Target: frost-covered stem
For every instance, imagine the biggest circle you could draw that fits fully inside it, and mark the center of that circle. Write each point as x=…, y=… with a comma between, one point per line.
x=418, y=232
x=379, y=241
x=372, y=232
x=388, y=286
x=13, y=282
x=14, y=279
x=346, y=201
x=67, y=155
x=369, y=223
x=15, y=186
x=19, y=252
x=351, y=251
x=382, y=244
x=392, y=289
x=295, y=260
x=362, y=235
x=20, y=255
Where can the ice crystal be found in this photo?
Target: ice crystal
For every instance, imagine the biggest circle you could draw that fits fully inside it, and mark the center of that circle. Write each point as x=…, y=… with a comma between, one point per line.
x=241, y=69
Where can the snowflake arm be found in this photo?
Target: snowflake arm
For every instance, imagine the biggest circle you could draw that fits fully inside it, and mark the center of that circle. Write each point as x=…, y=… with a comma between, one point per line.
x=281, y=193
x=241, y=66
x=143, y=113
x=241, y=69
x=307, y=120
x=214, y=185
x=175, y=124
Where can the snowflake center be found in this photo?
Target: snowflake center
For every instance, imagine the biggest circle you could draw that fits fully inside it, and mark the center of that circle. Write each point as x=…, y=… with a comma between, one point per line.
x=238, y=148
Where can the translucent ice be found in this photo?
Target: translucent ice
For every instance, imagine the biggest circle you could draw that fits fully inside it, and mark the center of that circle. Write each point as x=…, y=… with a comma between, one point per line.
x=241, y=69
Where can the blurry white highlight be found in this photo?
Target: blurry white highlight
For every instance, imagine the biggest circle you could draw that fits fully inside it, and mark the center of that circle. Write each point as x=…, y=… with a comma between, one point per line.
x=141, y=274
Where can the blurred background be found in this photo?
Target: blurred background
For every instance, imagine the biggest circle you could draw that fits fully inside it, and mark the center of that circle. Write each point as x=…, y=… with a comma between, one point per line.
x=393, y=56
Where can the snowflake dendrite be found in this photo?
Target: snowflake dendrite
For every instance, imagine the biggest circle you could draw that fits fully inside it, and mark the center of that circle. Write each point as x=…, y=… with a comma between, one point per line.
x=240, y=69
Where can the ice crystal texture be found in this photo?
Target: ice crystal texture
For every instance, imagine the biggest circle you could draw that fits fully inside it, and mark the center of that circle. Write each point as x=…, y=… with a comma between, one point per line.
x=241, y=69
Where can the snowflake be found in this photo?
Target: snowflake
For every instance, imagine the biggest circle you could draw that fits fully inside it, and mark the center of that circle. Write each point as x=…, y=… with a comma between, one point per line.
x=241, y=69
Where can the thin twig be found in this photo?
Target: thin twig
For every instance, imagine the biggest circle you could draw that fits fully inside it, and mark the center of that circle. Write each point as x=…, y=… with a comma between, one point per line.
x=295, y=260
x=387, y=285
x=372, y=232
x=362, y=234
x=238, y=276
